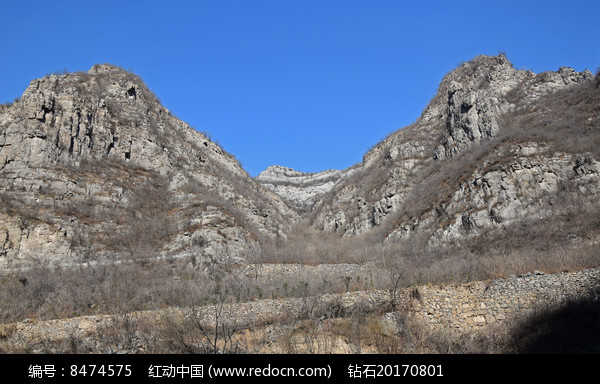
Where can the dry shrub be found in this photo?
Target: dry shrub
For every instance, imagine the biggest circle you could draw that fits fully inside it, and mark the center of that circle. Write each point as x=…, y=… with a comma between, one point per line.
x=195, y=331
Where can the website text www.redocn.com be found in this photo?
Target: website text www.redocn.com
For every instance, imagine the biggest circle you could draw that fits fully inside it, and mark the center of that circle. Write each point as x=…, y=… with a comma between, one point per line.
x=269, y=371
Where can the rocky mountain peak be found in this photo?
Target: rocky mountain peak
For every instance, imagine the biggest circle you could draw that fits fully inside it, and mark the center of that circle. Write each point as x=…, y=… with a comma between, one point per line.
x=104, y=68
x=471, y=97
x=275, y=170
x=106, y=113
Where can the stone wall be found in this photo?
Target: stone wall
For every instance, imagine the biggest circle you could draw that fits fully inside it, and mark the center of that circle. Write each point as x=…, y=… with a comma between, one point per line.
x=477, y=305
x=459, y=308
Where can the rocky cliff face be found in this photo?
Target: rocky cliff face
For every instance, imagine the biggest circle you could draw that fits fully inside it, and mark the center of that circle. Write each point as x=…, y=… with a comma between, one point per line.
x=299, y=189
x=93, y=167
x=489, y=152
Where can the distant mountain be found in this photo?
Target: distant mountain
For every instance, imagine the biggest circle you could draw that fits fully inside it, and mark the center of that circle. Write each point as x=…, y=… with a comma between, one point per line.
x=299, y=189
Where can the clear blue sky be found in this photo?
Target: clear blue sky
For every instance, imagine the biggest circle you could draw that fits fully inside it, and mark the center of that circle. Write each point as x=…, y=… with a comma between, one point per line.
x=308, y=84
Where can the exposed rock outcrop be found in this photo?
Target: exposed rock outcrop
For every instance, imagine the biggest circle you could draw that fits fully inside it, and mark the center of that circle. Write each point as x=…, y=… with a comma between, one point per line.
x=477, y=158
x=92, y=166
x=300, y=189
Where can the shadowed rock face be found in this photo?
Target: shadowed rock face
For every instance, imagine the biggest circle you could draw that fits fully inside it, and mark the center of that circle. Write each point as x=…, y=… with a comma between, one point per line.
x=92, y=167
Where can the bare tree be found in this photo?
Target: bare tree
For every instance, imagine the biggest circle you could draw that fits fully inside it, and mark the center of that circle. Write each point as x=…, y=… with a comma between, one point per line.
x=255, y=255
x=218, y=334
x=393, y=266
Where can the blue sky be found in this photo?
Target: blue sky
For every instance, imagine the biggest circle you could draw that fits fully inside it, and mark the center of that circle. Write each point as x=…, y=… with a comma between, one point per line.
x=308, y=84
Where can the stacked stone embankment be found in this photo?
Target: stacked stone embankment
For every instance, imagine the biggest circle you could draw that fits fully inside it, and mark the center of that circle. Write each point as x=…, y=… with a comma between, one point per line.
x=460, y=308
x=477, y=305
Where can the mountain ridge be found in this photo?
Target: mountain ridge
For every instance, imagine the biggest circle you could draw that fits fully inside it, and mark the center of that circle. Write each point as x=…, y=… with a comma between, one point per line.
x=96, y=152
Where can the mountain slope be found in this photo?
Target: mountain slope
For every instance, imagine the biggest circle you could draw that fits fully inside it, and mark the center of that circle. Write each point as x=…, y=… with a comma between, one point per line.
x=497, y=148
x=93, y=167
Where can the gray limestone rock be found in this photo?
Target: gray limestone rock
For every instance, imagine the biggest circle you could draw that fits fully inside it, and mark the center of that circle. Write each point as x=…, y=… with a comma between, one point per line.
x=505, y=186
x=300, y=189
x=98, y=168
